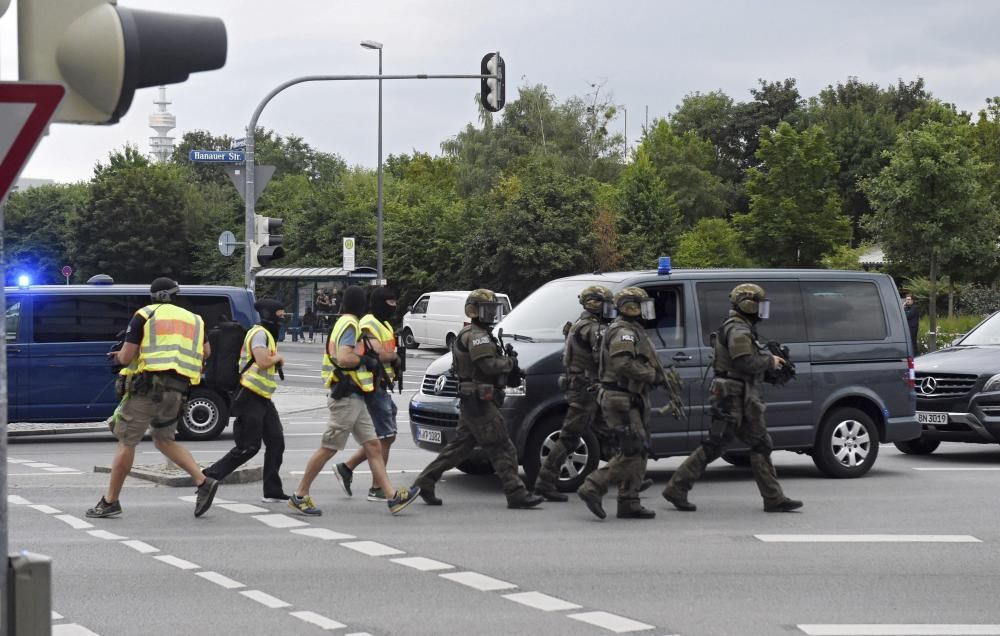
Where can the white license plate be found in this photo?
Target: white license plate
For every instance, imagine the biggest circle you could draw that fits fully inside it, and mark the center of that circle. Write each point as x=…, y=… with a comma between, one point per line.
x=427, y=435
x=924, y=417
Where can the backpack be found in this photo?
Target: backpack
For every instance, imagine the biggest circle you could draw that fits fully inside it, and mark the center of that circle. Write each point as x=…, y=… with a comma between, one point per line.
x=222, y=367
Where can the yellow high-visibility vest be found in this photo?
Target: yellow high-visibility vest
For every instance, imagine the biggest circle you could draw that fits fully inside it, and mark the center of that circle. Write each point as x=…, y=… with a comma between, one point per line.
x=360, y=376
x=172, y=340
x=384, y=333
x=260, y=381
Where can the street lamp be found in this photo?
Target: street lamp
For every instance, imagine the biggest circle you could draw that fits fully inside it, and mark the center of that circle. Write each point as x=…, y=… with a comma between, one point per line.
x=371, y=44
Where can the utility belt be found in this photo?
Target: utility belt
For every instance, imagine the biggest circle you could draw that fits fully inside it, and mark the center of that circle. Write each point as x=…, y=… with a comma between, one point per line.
x=344, y=386
x=156, y=383
x=575, y=382
x=614, y=398
x=470, y=389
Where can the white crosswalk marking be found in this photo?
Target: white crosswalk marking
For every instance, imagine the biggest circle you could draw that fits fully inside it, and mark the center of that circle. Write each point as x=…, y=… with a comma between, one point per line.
x=318, y=620
x=141, y=547
x=372, y=548
x=74, y=522
x=478, y=581
x=104, y=534
x=242, y=508
x=323, y=533
x=541, y=601
x=177, y=562
x=72, y=629
x=49, y=510
x=867, y=538
x=219, y=579
x=611, y=622
x=265, y=599
x=280, y=521
x=15, y=499
x=423, y=564
x=918, y=629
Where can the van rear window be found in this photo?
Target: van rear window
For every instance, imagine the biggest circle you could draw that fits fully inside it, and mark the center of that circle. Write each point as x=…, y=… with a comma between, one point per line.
x=843, y=310
x=79, y=318
x=210, y=308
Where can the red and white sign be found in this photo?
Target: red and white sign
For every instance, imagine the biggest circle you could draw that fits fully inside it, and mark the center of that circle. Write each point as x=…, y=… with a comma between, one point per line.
x=25, y=112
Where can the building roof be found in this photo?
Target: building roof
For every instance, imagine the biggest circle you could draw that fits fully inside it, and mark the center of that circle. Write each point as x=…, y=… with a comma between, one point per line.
x=872, y=256
x=317, y=273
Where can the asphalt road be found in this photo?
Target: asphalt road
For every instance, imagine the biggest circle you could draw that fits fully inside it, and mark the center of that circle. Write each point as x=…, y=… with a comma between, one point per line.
x=912, y=548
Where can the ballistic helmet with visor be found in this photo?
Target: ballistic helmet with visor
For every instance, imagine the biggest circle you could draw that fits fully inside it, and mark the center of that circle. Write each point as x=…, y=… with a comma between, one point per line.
x=483, y=306
x=594, y=298
x=163, y=290
x=634, y=302
x=749, y=299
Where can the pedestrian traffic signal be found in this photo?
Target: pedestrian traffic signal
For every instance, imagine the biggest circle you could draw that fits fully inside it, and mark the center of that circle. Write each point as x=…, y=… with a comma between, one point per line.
x=102, y=53
x=491, y=90
x=266, y=246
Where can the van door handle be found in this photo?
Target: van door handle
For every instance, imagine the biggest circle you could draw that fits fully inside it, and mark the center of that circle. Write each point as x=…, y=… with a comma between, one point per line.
x=13, y=350
x=680, y=356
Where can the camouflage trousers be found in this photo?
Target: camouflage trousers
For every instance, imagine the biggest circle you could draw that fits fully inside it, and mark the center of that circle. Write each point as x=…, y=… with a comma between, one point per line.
x=736, y=418
x=583, y=410
x=627, y=468
x=479, y=424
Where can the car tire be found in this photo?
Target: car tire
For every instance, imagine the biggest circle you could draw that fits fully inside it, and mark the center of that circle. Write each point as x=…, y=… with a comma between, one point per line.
x=578, y=464
x=846, y=444
x=918, y=446
x=743, y=461
x=408, y=340
x=205, y=416
x=478, y=464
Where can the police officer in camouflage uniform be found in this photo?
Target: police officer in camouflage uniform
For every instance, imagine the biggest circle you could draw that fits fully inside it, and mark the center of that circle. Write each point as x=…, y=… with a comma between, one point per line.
x=482, y=370
x=629, y=369
x=737, y=404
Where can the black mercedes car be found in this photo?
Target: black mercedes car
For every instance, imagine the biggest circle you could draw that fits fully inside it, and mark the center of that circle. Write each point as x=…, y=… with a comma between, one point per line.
x=958, y=391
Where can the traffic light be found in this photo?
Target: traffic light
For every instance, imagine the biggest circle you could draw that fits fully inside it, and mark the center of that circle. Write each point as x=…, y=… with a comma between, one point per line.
x=102, y=53
x=492, y=91
x=266, y=246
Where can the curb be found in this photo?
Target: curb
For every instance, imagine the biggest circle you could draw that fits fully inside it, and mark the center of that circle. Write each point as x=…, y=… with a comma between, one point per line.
x=177, y=478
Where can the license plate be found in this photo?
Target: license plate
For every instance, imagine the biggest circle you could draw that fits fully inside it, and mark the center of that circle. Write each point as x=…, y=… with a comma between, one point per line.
x=924, y=417
x=427, y=435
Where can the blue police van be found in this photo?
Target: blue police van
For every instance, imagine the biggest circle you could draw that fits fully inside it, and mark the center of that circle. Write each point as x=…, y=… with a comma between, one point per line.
x=58, y=337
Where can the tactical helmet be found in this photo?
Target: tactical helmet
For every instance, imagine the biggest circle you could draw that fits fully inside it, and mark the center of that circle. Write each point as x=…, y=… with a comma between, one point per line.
x=749, y=299
x=268, y=309
x=163, y=290
x=482, y=305
x=634, y=302
x=594, y=297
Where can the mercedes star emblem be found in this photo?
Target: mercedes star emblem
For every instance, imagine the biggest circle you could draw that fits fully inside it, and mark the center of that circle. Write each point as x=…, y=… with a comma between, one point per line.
x=928, y=385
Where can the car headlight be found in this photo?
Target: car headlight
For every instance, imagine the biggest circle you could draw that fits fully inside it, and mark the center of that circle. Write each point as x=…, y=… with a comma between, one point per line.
x=993, y=384
x=519, y=391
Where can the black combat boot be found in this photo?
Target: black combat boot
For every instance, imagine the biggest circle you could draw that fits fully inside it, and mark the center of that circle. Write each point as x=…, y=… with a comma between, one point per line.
x=787, y=505
x=549, y=492
x=645, y=484
x=679, y=500
x=524, y=499
x=427, y=494
x=632, y=509
x=593, y=502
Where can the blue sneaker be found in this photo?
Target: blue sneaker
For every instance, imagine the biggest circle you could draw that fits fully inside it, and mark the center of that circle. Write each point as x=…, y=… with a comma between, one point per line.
x=404, y=497
x=304, y=505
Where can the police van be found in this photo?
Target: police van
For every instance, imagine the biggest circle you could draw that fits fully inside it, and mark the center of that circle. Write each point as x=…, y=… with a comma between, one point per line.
x=845, y=330
x=58, y=337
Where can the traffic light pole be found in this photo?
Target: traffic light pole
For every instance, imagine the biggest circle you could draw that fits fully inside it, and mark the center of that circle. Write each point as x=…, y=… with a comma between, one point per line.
x=249, y=278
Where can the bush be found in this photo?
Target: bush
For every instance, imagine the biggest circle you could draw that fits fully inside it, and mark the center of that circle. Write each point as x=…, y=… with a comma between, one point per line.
x=948, y=330
x=978, y=300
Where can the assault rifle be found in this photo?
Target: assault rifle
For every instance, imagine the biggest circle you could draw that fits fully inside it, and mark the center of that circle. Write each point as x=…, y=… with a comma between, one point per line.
x=515, y=376
x=400, y=364
x=786, y=372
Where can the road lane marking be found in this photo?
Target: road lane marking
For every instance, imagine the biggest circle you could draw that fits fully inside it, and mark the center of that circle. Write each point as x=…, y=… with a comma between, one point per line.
x=219, y=579
x=901, y=629
x=323, y=533
x=18, y=500
x=71, y=629
x=867, y=538
x=279, y=521
x=11, y=460
x=104, y=534
x=62, y=469
x=265, y=599
x=371, y=548
x=49, y=510
x=611, y=622
x=541, y=601
x=423, y=564
x=194, y=499
x=318, y=620
x=242, y=508
x=478, y=581
x=39, y=465
x=141, y=547
x=56, y=616
x=75, y=472
x=74, y=522
x=957, y=468
x=169, y=559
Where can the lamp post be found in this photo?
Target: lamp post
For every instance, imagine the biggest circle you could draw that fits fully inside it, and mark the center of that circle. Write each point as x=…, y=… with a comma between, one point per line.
x=370, y=44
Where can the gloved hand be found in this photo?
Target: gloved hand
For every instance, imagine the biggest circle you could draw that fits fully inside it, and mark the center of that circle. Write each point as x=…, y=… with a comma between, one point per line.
x=370, y=363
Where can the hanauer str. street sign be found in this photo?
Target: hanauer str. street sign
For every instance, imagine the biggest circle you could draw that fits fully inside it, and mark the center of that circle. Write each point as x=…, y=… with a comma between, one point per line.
x=216, y=156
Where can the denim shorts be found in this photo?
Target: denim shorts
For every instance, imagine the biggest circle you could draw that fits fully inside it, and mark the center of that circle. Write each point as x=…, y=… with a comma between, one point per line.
x=383, y=411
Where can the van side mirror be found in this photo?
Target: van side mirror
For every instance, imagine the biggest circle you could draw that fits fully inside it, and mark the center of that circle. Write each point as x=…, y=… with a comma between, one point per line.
x=410, y=308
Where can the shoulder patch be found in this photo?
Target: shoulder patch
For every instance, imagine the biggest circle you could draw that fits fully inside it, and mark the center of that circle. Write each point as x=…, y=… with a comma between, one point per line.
x=628, y=337
x=480, y=341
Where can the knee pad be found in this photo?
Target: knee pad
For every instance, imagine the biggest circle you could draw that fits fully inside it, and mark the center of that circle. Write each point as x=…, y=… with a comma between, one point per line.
x=712, y=446
x=631, y=445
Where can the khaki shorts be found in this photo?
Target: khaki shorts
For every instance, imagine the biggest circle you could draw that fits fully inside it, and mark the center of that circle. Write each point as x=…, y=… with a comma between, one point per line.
x=348, y=416
x=140, y=412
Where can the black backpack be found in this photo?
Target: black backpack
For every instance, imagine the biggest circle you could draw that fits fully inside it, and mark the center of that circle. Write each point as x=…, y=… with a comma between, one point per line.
x=222, y=370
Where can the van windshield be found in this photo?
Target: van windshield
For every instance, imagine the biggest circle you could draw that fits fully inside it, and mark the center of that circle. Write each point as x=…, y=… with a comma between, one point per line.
x=987, y=333
x=541, y=315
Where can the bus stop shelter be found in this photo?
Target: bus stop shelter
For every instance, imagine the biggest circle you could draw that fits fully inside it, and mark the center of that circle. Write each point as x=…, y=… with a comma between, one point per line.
x=298, y=287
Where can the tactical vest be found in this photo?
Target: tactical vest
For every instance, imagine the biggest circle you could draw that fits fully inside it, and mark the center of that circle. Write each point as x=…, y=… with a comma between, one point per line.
x=383, y=332
x=361, y=377
x=644, y=351
x=260, y=381
x=580, y=358
x=461, y=355
x=722, y=362
x=172, y=340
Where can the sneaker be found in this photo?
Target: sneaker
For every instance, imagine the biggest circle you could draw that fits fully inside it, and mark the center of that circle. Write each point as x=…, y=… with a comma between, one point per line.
x=376, y=494
x=204, y=496
x=304, y=505
x=105, y=509
x=404, y=497
x=345, y=476
x=279, y=498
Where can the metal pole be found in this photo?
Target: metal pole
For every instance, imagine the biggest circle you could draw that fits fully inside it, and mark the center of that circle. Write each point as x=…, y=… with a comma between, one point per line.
x=625, y=156
x=251, y=200
x=4, y=599
x=378, y=239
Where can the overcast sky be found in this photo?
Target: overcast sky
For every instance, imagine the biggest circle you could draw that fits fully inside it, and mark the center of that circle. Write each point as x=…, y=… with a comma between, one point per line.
x=648, y=54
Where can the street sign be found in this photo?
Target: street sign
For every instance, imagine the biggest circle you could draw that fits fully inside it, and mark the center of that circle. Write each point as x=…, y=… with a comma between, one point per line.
x=239, y=144
x=349, y=253
x=216, y=156
x=227, y=243
x=67, y=271
x=262, y=176
x=25, y=112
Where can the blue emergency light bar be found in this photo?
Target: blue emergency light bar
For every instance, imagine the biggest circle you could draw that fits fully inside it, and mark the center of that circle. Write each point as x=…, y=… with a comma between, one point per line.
x=664, y=266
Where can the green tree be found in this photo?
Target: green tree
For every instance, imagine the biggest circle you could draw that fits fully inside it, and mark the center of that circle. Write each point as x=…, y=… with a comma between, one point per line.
x=794, y=217
x=648, y=214
x=930, y=208
x=845, y=257
x=35, y=231
x=711, y=243
x=136, y=225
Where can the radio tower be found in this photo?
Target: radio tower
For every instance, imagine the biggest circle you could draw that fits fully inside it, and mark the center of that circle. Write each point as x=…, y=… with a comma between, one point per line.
x=161, y=146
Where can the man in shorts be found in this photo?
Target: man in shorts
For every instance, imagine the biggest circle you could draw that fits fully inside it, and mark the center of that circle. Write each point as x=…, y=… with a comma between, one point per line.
x=348, y=372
